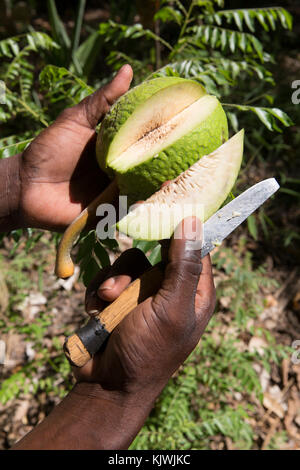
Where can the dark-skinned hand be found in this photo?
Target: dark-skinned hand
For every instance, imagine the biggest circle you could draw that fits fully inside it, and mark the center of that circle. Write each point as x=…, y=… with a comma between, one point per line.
x=59, y=173
x=147, y=347
x=118, y=387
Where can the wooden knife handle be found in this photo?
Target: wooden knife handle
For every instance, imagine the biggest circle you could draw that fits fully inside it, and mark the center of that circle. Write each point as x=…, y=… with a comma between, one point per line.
x=82, y=345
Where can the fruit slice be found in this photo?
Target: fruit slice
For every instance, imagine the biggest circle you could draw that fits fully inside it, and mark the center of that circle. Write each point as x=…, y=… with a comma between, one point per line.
x=156, y=131
x=136, y=113
x=199, y=191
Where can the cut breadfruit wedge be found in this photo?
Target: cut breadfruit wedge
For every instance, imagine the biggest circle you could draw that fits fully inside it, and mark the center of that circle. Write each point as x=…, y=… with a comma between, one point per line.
x=199, y=192
x=157, y=130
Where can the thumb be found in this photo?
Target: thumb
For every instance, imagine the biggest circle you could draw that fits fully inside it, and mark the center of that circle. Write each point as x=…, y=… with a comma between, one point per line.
x=92, y=108
x=177, y=294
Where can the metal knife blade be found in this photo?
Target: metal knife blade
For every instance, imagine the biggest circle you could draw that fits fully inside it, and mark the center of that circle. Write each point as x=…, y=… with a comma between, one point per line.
x=227, y=219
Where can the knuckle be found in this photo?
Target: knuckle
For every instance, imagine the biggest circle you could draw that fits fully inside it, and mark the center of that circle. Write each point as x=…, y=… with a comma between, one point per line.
x=66, y=113
x=176, y=321
x=186, y=268
x=95, y=105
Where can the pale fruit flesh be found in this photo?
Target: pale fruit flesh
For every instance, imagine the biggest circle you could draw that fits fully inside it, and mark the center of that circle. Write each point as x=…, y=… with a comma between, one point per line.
x=165, y=134
x=156, y=112
x=199, y=191
x=156, y=131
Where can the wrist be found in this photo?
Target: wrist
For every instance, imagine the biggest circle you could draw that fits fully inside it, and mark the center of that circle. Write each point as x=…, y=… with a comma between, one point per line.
x=90, y=418
x=121, y=415
x=10, y=193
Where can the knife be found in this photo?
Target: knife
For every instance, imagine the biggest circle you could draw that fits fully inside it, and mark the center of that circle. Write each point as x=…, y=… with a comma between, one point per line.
x=81, y=346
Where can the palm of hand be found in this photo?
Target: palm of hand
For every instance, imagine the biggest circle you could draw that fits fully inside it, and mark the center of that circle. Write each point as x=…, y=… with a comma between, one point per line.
x=59, y=174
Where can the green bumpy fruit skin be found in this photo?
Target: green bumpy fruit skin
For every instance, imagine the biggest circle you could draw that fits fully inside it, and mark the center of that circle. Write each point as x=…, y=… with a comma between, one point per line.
x=145, y=179
x=124, y=107
x=142, y=180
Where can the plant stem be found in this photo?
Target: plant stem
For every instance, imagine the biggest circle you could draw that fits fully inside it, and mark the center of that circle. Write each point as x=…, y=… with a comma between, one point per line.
x=157, y=43
x=28, y=108
x=78, y=24
x=189, y=12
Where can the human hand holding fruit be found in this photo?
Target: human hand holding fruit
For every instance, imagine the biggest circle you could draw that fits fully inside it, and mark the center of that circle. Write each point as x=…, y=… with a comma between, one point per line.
x=59, y=173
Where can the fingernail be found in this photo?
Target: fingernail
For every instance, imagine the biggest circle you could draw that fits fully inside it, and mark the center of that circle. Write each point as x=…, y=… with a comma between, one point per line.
x=192, y=229
x=93, y=312
x=107, y=285
x=92, y=304
x=189, y=229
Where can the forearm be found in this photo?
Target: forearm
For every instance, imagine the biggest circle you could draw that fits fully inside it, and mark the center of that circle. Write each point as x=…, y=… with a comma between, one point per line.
x=91, y=418
x=10, y=189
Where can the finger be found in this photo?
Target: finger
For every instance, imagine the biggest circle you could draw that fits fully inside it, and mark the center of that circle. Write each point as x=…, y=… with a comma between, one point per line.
x=93, y=304
x=110, y=282
x=178, y=291
x=111, y=288
x=130, y=265
x=90, y=110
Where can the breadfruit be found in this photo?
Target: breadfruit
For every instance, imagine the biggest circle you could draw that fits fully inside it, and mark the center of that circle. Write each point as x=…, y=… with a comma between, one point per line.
x=158, y=130
x=198, y=191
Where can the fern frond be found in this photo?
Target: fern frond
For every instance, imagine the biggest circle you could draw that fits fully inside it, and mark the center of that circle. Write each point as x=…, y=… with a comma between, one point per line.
x=34, y=41
x=116, y=32
x=268, y=116
x=222, y=38
x=63, y=85
x=19, y=72
x=192, y=67
x=169, y=14
x=177, y=3
x=266, y=17
x=15, y=105
x=117, y=58
x=12, y=145
x=214, y=72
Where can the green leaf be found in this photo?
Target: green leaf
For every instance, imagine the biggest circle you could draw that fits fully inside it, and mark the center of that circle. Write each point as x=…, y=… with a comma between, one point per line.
x=144, y=246
x=91, y=270
x=271, y=20
x=58, y=30
x=252, y=226
x=168, y=14
x=266, y=115
x=86, y=246
x=62, y=84
x=228, y=38
x=12, y=148
x=88, y=52
x=223, y=39
x=78, y=25
x=285, y=18
x=101, y=255
x=155, y=255
x=238, y=18
x=291, y=192
x=233, y=120
x=33, y=41
x=215, y=37
x=248, y=20
x=257, y=46
x=262, y=15
x=232, y=41
x=115, y=33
